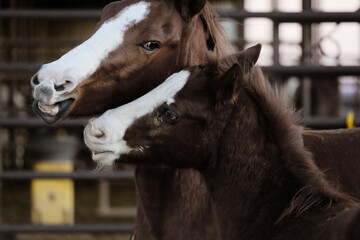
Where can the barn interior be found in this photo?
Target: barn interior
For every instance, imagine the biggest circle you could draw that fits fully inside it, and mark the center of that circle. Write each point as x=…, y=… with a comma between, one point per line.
x=316, y=60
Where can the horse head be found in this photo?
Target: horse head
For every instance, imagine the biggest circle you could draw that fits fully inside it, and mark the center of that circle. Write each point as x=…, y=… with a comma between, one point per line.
x=175, y=118
x=136, y=45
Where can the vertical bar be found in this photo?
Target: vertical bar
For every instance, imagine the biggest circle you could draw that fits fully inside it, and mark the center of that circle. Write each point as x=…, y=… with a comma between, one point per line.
x=358, y=82
x=241, y=43
x=276, y=37
x=306, y=96
x=104, y=196
x=276, y=43
x=1, y=183
x=306, y=60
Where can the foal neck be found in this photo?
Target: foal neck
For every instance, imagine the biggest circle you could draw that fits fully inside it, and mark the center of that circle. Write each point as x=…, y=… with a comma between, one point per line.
x=248, y=186
x=262, y=175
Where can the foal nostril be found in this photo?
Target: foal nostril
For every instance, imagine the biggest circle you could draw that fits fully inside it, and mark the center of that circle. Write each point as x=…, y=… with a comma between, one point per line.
x=97, y=133
x=35, y=80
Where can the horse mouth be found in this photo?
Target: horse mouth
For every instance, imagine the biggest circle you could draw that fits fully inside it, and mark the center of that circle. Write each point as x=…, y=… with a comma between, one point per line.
x=52, y=113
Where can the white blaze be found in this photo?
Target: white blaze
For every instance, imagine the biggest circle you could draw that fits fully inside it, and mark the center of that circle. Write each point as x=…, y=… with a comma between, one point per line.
x=114, y=123
x=84, y=60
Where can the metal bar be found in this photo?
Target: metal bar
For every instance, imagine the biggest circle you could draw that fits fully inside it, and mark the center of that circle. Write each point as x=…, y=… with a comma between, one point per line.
x=38, y=42
x=306, y=96
x=78, y=228
x=77, y=175
x=300, y=17
x=306, y=16
x=306, y=60
x=276, y=43
x=309, y=70
x=33, y=122
x=19, y=67
x=327, y=122
x=50, y=14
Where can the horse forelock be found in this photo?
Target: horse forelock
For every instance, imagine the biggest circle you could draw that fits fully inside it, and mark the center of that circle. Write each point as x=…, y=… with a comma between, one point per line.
x=216, y=44
x=222, y=44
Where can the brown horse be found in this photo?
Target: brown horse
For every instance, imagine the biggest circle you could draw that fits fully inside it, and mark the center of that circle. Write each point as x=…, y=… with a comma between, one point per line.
x=236, y=130
x=136, y=46
x=119, y=63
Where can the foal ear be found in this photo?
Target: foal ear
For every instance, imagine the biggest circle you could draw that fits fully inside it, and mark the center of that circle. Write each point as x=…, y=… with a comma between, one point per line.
x=189, y=8
x=228, y=85
x=247, y=58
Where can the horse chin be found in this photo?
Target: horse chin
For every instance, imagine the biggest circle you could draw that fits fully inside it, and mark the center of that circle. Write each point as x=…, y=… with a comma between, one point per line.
x=63, y=109
x=104, y=158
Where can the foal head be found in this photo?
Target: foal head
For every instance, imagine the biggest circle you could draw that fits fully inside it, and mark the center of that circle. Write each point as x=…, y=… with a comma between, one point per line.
x=136, y=45
x=175, y=120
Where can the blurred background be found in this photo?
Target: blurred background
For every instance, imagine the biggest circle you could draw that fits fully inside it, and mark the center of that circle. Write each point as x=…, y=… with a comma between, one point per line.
x=47, y=189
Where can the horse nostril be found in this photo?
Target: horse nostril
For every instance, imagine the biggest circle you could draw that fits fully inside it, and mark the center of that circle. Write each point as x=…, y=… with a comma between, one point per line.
x=64, y=86
x=35, y=80
x=60, y=88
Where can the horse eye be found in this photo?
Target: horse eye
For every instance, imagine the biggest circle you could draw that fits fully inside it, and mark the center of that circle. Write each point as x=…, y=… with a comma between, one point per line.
x=150, y=46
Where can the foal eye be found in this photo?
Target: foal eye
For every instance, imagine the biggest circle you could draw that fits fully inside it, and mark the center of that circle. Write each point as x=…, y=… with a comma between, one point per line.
x=169, y=114
x=150, y=46
x=172, y=116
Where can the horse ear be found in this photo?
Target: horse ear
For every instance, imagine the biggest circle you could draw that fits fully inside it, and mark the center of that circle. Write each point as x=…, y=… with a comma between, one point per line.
x=247, y=58
x=228, y=85
x=251, y=55
x=189, y=8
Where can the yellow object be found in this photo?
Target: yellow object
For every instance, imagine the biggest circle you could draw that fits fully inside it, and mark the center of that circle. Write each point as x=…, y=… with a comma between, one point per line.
x=52, y=199
x=350, y=120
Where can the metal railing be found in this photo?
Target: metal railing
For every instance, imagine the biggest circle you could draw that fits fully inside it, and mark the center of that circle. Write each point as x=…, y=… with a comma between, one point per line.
x=301, y=70
x=299, y=17
x=76, y=175
x=78, y=228
x=123, y=176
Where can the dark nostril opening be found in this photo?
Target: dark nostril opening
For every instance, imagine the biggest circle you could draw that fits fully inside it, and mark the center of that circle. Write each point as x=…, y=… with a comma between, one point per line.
x=60, y=88
x=35, y=80
x=99, y=134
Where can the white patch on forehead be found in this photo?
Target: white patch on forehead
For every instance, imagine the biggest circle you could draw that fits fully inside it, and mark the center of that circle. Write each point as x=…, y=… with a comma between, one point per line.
x=84, y=60
x=170, y=101
x=165, y=92
x=115, y=122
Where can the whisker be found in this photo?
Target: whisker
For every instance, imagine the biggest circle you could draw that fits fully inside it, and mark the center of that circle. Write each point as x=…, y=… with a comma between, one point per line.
x=99, y=169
